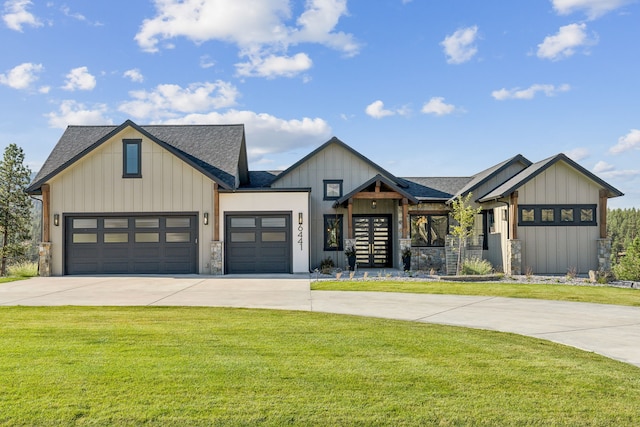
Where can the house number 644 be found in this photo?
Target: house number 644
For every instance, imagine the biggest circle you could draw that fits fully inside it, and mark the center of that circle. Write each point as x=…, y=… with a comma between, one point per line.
x=300, y=235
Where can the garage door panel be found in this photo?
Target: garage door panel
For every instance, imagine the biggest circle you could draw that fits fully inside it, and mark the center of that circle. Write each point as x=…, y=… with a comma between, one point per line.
x=258, y=243
x=150, y=244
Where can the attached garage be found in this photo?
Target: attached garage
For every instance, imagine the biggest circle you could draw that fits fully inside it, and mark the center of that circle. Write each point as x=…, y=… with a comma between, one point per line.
x=131, y=244
x=258, y=243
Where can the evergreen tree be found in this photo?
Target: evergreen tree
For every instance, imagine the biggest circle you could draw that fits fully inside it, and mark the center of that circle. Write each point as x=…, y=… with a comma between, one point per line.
x=629, y=266
x=15, y=205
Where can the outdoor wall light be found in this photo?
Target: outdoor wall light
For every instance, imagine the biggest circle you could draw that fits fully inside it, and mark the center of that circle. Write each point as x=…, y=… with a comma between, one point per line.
x=300, y=218
x=374, y=204
x=56, y=219
x=205, y=218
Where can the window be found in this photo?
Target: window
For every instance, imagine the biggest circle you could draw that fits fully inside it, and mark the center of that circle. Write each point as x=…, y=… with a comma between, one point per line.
x=132, y=158
x=429, y=229
x=332, y=189
x=556, y=215
x=333, y=232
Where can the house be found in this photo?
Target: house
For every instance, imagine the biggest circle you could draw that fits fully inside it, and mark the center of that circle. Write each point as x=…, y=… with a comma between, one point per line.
x=179, y=199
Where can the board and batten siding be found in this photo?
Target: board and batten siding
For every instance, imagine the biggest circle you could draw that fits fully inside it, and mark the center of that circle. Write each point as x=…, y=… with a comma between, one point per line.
x=558, y=249
x=94, y=184
x=333, y=162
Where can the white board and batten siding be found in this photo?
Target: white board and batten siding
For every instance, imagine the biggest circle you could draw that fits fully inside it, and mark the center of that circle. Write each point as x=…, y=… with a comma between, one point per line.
x=94, y=184
x=558, y=249
x=334, y=162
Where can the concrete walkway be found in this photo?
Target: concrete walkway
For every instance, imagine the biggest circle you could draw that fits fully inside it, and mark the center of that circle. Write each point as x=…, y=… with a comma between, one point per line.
x=613, y=331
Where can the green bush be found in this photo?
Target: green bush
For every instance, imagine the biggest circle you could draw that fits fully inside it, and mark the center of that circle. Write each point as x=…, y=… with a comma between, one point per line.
x=23, y=269
x=629, y=266
x=476, y=266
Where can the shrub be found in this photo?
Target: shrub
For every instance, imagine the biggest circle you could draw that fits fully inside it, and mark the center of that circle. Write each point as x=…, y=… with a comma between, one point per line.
x=476, y=266
x=629, y=266
x=23, y=269
x=326, y=265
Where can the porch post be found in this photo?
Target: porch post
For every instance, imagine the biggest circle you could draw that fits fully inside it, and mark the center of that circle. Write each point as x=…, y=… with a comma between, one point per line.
x=405, y=218
x=513, y=216
x=350, y=219
x=603, y=214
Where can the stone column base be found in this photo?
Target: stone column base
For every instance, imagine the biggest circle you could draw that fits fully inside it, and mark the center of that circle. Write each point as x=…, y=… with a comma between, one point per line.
x=44, y=259
x=514, y=257
x=604, y=255
x=217, y=249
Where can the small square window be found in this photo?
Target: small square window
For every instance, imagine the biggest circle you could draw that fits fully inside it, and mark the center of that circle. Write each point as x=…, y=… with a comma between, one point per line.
x=566, y=215
x=546, y=215
x=332, y=189
x=527, y=215
x=586, y=215
x=132, y=158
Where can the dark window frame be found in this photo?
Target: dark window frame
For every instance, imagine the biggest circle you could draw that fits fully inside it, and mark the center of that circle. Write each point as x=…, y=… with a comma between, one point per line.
x=557, y=216
x=126, y=161
x=329, y=224
x=430, y=238
x=331, y=181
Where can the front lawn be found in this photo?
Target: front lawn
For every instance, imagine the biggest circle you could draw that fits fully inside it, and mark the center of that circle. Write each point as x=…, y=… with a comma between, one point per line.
x=212, y=366
x=594, y=294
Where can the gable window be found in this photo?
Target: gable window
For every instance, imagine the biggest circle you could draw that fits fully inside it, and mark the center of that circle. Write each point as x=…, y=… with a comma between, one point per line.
x=429, y=229
x=332, y=189
x=554, y=215
x=333, y=232
x=132, y=158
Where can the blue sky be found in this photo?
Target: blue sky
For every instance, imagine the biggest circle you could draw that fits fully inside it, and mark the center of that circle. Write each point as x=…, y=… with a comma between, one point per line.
x=421, y=87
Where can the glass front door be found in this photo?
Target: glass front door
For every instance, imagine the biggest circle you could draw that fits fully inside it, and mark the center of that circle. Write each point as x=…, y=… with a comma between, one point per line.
x=373, y=240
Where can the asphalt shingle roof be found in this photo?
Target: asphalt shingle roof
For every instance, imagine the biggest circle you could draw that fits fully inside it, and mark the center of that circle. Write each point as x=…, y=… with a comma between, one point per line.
x=216, y=150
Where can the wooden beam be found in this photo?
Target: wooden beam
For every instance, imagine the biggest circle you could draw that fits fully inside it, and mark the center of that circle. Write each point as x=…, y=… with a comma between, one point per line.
x=379, y=196
x=46, y=213
x=216, y=212
x=513, y=221
x=603, y=213
x=405, y=218
x=350, y=219
x=378, y=184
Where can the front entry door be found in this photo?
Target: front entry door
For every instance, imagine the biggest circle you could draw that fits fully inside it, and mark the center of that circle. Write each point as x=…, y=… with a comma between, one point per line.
x=373, y=240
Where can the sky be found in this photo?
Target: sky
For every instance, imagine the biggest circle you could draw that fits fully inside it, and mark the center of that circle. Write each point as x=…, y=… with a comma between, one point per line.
x=421, y=87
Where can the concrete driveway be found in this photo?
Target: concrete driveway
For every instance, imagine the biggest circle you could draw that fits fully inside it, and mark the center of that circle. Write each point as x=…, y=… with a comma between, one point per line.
x=613, y=331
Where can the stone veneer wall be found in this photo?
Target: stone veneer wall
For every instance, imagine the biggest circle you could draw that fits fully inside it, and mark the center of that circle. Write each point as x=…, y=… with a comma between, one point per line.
x=514, y=257
x=44, y=261
x=217, y=249
x=604, y=255
x=429, y=258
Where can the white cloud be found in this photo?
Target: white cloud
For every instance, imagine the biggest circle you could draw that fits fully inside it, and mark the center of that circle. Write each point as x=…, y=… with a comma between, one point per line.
x=206, y=61
x=578, y=154
x=275, y=66
x=377, y=111
x=262, y=35
x=459, y=47
x=169, y=101
x=74, y=113
x=268, y=134
x=22, y=76
x=593, y=8
x=602, y=166
x=437, y=106
x=135, y=75
x=530, y=92
x=630, y=141
x=565, y=42
x=16, y=15
x=80, y=79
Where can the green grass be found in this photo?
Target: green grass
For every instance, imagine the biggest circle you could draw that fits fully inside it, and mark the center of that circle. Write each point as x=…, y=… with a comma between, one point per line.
x=212, y=366
x=23, y=269
x=594, y=294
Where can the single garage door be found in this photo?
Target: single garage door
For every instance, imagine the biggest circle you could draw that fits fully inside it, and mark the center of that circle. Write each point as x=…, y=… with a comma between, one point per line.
x=125, y=244
x=258, y=243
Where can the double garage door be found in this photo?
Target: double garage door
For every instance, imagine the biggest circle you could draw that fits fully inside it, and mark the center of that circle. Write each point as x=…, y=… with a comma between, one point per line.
x=258, y=243
x=126, y=244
